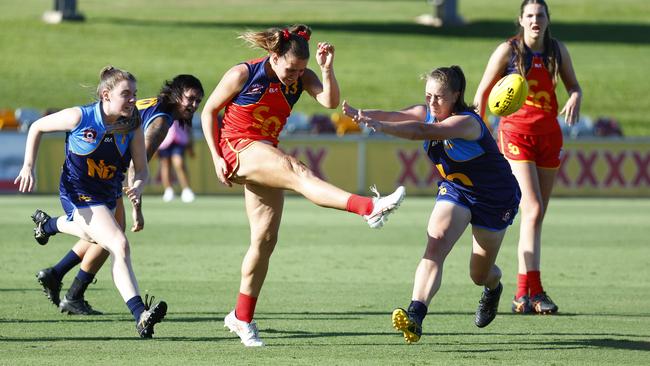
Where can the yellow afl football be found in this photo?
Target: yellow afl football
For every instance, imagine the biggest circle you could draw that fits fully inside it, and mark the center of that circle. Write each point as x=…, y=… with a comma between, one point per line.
x=508, y=95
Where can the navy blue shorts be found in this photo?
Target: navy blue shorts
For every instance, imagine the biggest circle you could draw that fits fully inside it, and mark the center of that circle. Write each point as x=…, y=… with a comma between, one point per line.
x=173, y=149
x=72, y=202
x=488, y=214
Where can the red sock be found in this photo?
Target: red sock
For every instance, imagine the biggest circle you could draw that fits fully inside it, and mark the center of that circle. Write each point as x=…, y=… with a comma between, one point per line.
x=522, y=285
x=245, y=307
x=359, y=204
x=535, y=283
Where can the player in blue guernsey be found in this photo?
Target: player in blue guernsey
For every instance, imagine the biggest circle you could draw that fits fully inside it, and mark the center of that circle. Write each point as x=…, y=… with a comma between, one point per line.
x=477, y=189
x=178, y=99
x=102, y=139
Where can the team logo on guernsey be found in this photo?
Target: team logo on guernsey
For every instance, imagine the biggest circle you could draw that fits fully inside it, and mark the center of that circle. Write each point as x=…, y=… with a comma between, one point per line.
x=255, y=89
x=507, y=215
x=89, y=135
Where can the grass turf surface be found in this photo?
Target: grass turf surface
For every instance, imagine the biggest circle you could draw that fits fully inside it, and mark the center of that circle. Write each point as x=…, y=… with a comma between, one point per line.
x=330, y=290
x=380, y=50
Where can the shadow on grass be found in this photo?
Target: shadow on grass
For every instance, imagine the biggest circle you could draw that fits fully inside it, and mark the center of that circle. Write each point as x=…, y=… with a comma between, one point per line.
x=627, y=33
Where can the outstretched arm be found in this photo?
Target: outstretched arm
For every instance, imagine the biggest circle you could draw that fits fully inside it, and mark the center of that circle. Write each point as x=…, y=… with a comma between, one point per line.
x=65, y=120
x=461, y=126
x=416, y=112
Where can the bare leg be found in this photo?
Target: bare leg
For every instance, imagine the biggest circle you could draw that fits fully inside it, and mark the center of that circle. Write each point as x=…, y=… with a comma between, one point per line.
x=446, y=224
x=532, y=215
x=165, y=172
x=264, y=208
x=95, y=256
x=485, y=248
x=266, y=165
x=178, y=161
x=100, y=224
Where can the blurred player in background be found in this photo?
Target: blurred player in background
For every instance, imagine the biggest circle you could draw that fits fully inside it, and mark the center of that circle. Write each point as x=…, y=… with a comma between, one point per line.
x=178, y=99
x=172, y=154
x=102, y=139
x=477, y=188
x=258, y=96
x=531, y=138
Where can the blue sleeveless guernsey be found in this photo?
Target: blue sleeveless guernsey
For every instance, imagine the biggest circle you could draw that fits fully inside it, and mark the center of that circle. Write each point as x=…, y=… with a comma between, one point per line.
x=95, y=162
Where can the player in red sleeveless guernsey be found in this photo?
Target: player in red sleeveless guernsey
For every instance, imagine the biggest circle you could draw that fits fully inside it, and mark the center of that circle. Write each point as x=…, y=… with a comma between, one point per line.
x=531, y=138
x=258, y=96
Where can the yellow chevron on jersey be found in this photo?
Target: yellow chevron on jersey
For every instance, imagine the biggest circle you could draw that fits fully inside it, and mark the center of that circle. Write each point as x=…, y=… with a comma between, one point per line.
x=146, y=103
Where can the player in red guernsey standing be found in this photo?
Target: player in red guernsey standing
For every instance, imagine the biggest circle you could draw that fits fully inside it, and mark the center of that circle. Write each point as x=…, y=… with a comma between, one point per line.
x=531, y=138
x=258, y=96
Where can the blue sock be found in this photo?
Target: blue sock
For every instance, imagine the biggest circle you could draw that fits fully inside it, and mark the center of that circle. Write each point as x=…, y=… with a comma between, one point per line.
x=66, y=264
x=79, y=285
x=418, y=310
x=50, y=227
x=85, y=277
x=136, y=306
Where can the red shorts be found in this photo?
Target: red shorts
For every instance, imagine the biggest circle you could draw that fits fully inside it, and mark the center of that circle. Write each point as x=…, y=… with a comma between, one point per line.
x=230, y=149
x=543, y=150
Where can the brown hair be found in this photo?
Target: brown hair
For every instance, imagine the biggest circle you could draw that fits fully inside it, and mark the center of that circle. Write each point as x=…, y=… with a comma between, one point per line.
x=292, y=40
x=550, y=44
x=110, y=76
x=454, y=79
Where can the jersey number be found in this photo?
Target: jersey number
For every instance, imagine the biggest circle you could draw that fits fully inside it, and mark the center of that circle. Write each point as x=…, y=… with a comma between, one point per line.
x=269, y=126
x=540, y=99
x=462, y=178
x=101, y=170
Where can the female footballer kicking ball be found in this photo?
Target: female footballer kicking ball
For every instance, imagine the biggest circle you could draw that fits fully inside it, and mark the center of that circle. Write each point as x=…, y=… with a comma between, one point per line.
x=531, y=138
x=258, y=96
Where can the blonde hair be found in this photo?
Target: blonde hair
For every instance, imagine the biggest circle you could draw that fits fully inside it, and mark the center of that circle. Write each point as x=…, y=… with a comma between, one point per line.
x=293, y=40
x=111, y=76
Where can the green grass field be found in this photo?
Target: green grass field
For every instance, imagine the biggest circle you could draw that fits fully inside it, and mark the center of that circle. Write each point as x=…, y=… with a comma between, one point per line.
x=331, y=287
x=380, y=50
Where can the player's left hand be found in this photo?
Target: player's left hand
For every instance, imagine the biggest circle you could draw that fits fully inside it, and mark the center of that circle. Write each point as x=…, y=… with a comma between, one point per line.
x=133, y=193
x=370, y=123
x=325, y=55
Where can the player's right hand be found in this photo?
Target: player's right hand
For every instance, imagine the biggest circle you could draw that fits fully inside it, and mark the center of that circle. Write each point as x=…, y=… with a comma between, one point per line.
x=138, y=219
x=221, y=169
x=25, y=180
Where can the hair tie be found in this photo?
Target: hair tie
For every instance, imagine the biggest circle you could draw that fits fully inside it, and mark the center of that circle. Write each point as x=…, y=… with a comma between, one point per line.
x=304, y=35
x=285, y=34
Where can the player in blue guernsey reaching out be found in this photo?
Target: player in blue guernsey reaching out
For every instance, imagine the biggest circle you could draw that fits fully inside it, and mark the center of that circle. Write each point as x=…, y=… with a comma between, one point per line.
x=102, y=138
x=477, y=188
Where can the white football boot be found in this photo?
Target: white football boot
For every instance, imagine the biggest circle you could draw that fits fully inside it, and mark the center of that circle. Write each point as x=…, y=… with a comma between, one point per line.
x=384, y=206
x=168, y=196
x=248, y=332
x=187, y=195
